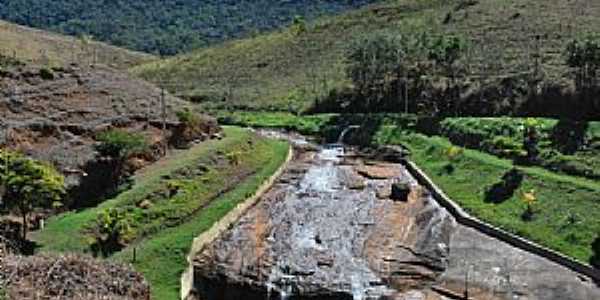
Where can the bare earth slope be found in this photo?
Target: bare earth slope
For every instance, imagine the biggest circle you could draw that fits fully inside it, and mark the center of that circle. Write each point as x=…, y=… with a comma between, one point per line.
x=56, y=117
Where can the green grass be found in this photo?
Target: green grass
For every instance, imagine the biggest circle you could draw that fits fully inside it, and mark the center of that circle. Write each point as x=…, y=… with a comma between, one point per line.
x=162, y=258
x=504, y=137
x=68, y=232
x=310, y=125
x=560, y=197
x=165, y=232
x=287, y=72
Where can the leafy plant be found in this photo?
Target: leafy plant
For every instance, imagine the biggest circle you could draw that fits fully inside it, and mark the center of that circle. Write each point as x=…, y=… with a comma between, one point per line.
x=530, y=200
x=46, y=74
x=121, y=144
x=188, y=117
x=454, y=152
x=298, y=25
x=112, y=231
x=29, y=184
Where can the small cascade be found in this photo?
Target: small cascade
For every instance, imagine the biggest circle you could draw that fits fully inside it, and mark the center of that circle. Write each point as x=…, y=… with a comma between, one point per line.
x=344, y=132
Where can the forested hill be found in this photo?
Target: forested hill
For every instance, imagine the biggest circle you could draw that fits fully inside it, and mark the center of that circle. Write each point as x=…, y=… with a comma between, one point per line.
x=165, y=27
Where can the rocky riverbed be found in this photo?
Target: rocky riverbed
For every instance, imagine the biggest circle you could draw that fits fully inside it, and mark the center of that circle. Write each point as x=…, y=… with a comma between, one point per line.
x=332, y=228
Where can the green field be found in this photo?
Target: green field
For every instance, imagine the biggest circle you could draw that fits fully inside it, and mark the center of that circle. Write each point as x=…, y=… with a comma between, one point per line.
x=567, y=209
x=164, y=232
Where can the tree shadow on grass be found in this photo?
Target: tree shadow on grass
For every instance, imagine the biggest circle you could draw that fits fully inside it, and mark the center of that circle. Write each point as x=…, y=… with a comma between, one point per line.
x=595, y=259
x=505, y=188
x=568, y=135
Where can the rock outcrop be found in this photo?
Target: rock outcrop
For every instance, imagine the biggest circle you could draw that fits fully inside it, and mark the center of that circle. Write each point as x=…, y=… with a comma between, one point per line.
x=316, y=236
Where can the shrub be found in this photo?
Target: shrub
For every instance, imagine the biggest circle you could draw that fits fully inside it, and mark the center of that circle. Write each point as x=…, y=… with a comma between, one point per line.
x=111, y=232
x=46, y=74
x=118, y=143
x=188, y=117
x=454, y=152
x=234, y=157
x=530, y=200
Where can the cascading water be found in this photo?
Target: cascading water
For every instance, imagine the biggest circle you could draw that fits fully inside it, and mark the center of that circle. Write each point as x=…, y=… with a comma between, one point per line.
x=340, y=140
x=315, y=235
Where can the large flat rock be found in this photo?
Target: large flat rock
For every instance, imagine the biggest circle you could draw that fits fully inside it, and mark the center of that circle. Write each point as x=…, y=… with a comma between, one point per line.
x=315, y=236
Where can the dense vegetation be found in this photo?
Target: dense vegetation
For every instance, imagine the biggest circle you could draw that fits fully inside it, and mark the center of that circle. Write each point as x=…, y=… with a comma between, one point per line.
x=513, y=60
x=164, y=27
x=169, y=204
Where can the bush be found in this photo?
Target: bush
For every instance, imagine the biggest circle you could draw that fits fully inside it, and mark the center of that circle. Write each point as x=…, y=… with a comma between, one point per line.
x=46, y=74
x=121, y=144
x=188, y=117
x=111, y=232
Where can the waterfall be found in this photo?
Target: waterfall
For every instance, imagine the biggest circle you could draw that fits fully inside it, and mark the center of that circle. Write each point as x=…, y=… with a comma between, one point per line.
x=344, y=132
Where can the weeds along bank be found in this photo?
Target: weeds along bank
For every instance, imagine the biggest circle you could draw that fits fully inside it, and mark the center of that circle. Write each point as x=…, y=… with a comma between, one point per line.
x=170, y=203
x=493, y=180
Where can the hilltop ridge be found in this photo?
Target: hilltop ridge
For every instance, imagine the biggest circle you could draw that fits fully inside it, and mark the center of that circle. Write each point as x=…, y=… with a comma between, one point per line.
x=290, y=69
x=29, y=45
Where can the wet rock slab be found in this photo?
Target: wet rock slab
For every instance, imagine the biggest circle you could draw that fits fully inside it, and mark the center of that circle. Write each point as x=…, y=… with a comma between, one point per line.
x=315, y=235
x=319, y=236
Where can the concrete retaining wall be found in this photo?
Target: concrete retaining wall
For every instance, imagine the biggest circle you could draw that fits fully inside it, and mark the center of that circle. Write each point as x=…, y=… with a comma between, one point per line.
x=187, y=278
x=465, y=219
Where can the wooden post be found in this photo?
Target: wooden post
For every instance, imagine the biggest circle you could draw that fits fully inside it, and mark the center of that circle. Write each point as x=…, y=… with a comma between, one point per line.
x=164, y=118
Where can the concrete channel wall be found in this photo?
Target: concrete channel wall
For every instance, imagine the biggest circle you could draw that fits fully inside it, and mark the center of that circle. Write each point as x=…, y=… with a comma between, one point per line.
x=203, y=240
x=465, y=219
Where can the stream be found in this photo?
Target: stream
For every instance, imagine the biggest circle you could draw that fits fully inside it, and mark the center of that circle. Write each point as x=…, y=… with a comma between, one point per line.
x=332, y=227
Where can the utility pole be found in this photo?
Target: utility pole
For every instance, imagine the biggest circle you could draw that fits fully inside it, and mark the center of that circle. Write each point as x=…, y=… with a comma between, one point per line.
x=164, y=118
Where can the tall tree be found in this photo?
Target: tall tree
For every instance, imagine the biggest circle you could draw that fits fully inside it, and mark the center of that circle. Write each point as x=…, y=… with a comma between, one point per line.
x=28, y=184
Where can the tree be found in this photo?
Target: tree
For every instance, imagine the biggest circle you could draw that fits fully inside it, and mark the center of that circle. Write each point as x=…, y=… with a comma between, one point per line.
x=584, y=55
x=373, y=63
x=446, y=51
x=29, y=184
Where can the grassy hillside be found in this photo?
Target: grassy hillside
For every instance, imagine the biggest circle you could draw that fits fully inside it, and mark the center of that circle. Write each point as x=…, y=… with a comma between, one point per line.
x=172, y=202
x=287, y=70
x=165, y=27
x=40, y=47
